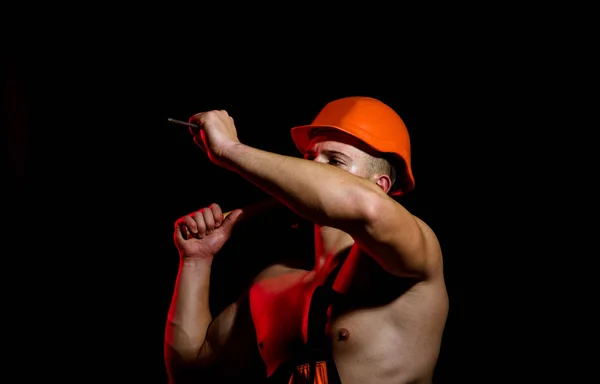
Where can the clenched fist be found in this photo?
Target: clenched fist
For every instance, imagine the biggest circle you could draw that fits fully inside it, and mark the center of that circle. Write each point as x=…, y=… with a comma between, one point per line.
x=201, y=234
x=215, y=134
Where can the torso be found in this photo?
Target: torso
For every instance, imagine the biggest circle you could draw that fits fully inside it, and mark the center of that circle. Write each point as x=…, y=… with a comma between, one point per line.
x=385, y=329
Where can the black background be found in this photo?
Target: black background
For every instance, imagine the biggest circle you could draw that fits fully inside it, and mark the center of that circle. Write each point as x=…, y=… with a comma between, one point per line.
x=97, y=176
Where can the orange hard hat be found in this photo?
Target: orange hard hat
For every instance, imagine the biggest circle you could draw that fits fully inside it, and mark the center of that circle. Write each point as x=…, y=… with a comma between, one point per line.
x=374, y=123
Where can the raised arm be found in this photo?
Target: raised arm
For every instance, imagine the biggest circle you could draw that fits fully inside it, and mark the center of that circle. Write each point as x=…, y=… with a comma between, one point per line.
x=196, y=345
x=328, y=196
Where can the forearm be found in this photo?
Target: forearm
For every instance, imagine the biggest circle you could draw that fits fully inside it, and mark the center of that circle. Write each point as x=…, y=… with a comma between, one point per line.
x=189, y=315
x=318, y=192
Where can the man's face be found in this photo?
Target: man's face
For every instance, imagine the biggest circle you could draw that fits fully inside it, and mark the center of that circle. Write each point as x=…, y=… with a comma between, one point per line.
x=339, y=149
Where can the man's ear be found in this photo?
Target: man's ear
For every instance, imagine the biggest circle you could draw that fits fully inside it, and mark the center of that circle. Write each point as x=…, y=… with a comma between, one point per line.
x=384, y=182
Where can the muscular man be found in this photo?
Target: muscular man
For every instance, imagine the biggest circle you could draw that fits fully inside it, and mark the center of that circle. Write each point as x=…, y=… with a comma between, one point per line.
x=373, y=308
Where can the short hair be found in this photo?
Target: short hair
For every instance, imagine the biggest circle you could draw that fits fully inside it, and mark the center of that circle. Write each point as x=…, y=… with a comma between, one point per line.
x=381, y=165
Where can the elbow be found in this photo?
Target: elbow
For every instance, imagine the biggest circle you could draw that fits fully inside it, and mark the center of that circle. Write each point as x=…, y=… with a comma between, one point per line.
x=180, y=352
x=174, y=363
x=175, y=359
x=182, y=367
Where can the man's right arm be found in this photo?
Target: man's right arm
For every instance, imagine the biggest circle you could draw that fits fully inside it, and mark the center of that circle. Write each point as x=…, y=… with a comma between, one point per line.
x=198, y=347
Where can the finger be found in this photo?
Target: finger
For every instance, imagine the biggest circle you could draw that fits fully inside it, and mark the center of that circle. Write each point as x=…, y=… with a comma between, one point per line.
x=217, y=214
x=199, y=219
x=195, y=131
x=209, y=220
x=186, y=227
x=232, y=218
x=183, y=233
x=197, y=120
x=180, y=232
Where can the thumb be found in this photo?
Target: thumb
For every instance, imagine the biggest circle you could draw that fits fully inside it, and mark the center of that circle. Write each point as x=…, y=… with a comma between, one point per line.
x=232, y=218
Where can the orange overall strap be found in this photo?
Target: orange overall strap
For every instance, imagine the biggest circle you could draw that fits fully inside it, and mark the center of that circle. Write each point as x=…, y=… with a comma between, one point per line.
x=302, y=375
x=313, y=363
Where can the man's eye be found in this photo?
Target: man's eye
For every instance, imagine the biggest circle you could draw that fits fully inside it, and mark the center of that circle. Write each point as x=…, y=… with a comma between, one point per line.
x=335, y=162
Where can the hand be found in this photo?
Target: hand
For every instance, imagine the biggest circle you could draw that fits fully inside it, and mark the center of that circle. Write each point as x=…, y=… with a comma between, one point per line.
x=201, y=234
x=216, y=133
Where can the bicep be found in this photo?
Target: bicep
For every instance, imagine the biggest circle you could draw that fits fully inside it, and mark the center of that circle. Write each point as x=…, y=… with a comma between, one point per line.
x=229, y=351
x=401, y=242
x=230, y=347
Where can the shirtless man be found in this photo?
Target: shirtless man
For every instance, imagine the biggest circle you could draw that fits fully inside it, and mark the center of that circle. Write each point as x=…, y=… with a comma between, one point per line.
x=373, y=308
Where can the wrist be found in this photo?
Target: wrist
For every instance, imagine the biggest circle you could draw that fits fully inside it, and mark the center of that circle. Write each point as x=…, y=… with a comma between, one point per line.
x=231, y=153
x=196, y=262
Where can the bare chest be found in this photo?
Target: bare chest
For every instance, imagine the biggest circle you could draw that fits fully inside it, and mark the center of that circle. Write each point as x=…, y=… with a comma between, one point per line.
x=280, y=308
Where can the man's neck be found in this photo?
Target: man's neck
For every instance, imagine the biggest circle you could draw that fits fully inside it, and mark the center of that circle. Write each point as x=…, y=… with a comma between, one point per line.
x=329, y=244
